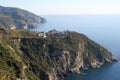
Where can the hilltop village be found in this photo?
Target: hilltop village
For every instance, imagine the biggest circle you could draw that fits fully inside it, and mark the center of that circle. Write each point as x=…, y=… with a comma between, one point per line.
x=54, y=33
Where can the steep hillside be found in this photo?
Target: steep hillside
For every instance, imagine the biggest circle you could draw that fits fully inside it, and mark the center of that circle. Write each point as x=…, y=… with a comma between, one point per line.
x=27, y=56
x=18, y=18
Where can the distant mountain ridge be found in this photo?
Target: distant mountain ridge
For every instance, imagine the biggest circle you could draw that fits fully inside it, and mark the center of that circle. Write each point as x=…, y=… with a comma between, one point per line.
x=15, y=18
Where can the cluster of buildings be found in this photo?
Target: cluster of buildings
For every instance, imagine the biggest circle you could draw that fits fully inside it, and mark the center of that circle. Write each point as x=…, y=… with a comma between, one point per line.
x=53, y=33
x=13, y=27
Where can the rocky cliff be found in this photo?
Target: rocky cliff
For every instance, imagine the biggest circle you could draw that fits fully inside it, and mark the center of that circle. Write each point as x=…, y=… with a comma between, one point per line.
x=25, y=55
x=15, y=18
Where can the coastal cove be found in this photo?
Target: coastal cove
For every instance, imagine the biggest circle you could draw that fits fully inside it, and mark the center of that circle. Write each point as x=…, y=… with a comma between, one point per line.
x=60, y=40
x=104, y=29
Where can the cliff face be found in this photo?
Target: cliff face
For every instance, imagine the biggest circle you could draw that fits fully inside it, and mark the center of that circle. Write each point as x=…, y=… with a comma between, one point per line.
x=50, y=58
x=18, y=18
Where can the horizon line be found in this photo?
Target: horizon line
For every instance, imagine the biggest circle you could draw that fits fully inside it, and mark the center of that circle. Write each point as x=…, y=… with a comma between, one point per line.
x=80, y=14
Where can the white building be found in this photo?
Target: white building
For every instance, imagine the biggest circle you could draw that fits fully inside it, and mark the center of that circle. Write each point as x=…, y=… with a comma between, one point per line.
x=42, y=34
x=12, y=27
x=25, y=27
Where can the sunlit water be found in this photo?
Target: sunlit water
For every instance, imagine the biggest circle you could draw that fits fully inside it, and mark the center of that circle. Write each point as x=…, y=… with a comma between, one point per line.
x=104, y=29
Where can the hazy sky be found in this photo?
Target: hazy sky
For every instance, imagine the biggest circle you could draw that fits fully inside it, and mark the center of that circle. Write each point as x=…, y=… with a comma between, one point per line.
x=66, y=6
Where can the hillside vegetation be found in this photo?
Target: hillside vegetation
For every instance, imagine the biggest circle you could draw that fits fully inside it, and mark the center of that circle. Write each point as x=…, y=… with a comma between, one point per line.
x=18, y=18
x=26, y=56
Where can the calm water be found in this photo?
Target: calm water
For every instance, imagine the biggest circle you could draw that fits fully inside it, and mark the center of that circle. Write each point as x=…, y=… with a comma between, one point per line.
x=104, y=29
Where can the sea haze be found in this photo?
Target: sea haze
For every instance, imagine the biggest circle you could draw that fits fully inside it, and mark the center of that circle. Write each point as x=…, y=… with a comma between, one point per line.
x=104, y=29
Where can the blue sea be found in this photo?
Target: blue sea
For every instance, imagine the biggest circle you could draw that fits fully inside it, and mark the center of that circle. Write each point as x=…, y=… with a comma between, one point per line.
x=104, y=29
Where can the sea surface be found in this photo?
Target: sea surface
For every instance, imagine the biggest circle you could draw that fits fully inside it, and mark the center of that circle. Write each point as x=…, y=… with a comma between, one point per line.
x=104, y=29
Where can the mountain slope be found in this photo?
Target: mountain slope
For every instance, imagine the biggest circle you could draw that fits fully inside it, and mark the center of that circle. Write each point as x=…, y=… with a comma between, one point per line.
x=20, y=18
x=30, y=57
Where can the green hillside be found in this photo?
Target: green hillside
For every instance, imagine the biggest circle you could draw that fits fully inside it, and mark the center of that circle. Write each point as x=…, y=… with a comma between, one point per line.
x=26, y=56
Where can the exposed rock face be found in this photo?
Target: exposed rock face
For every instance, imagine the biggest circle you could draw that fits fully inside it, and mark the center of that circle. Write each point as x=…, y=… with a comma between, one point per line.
x=53, y=57
x=18, y=18
x=66, y=53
